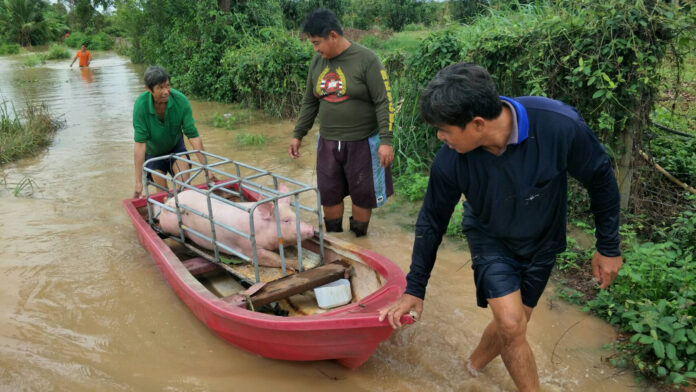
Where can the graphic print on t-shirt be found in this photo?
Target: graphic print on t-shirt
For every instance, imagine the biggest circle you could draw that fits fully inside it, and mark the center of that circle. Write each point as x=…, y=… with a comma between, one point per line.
x=331, y=85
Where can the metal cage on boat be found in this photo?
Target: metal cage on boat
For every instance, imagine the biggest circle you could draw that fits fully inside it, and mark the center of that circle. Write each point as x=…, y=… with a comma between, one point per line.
x=235, y=181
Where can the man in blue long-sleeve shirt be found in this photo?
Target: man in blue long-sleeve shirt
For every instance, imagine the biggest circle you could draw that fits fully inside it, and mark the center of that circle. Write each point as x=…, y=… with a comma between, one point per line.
x=510, y=158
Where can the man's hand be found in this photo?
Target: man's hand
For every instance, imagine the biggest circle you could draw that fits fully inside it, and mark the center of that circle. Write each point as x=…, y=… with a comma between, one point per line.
x=605, y=268
x=138, y=190
x=386, y=155
x=406, y=304
x=294, y=148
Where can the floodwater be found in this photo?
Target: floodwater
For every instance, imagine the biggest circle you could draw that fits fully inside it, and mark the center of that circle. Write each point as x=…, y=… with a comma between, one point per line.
x=83, y=307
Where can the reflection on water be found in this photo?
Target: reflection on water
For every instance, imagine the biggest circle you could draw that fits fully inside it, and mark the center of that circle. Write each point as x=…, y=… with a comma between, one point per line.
x=83, y=306
x=86, y=74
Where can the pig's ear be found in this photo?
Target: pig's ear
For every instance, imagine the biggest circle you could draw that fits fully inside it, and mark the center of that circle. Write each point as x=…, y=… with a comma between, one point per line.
x=282, y=188
x=265, y=211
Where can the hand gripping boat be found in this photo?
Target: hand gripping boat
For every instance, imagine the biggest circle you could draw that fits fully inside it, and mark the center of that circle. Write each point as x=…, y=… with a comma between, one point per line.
x=268, y=311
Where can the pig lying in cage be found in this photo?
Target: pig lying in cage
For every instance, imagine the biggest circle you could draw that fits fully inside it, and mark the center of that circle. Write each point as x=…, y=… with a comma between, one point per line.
x=265, y=228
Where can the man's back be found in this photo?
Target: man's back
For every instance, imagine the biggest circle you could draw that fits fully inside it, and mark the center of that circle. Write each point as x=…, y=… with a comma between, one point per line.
x=517, y=202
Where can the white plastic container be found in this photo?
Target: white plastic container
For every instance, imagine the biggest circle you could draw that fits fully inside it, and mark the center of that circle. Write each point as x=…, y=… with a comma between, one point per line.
x=333, y=294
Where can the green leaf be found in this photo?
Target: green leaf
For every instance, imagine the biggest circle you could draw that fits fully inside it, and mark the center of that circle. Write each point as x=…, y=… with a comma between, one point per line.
x=690, y=348
x=671, y=351
x=679, y=336
x=598, y=94
x=691, y=334
x=666, y=327
x=659, y=349
x=645, y=339
x=229, y=261
x=661, y=371
x=676, y=378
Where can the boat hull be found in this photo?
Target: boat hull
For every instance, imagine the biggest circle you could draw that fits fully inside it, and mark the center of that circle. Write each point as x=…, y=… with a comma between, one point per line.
x=348, y=334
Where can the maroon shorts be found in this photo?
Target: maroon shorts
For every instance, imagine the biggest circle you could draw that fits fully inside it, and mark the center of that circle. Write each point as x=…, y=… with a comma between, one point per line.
x=352, y=168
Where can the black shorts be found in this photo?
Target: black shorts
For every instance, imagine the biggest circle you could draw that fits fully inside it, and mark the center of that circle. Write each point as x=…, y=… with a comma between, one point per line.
x=498, y=276
x=352, y=168
x=165, y=165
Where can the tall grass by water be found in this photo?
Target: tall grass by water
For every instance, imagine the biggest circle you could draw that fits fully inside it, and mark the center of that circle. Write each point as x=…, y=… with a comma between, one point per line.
x=24, y=133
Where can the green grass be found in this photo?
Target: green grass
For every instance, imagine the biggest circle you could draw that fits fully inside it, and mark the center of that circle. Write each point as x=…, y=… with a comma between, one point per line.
x=8, y=49
x=24, y=134
x=676, y=106
x=33, y=60
x=406, y=41
x=226, y=120
x=250, y=139
x=25, y=187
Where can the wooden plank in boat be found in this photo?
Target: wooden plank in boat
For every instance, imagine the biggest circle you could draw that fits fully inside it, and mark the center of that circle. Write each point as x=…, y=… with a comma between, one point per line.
x=300, y=282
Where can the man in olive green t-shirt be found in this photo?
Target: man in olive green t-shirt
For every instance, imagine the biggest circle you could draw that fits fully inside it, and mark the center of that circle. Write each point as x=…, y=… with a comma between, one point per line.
x=159, y=116
x=348, y=90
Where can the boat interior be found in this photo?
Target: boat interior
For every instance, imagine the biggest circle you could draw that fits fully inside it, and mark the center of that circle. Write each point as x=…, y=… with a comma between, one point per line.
x=239, y=280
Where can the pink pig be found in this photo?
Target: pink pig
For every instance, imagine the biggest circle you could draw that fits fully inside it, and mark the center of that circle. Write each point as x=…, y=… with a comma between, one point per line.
x=264, y=225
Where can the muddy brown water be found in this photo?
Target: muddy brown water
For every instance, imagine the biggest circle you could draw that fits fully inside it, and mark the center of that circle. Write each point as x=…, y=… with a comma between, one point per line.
x=83, y=307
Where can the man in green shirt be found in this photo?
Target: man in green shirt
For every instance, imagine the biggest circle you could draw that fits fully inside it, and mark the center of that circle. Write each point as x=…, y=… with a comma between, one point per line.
x=348, y=89
x=159, y=116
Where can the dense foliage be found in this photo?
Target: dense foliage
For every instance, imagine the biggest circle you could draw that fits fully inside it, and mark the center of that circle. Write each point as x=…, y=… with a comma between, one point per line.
x=601, y=57
x=269, y=72
x=190, y=39
x=29, y=22
x=653, y=300
x=98, y=41
x=294, y=11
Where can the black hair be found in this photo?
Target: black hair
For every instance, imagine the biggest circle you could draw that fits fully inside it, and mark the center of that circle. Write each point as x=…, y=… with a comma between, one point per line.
x=321, y=22
x=457, y=94
x=154, y=76
x=84, y=43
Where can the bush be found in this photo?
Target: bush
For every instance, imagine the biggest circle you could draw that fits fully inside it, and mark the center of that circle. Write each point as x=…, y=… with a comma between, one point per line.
x=555, y=50
x=76, y=39
x=415, y=143
x=33, y=60
x=412, y=183
x=58, y=52
x=100, y=41
x=270, y=73
x=676, y=154
x=6, y=49
x=654, y=298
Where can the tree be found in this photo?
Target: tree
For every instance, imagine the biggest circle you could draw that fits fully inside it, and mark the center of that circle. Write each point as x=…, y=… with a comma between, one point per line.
x=83, y=14
x=466, y=11
x=23, y=21
x=398, y=13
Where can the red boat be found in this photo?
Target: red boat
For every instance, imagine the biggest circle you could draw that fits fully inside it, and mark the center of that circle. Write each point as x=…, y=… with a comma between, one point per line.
x=348, y=334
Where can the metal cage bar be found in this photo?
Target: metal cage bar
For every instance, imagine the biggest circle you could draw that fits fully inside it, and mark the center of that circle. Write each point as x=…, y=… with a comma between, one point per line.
x=233, y=184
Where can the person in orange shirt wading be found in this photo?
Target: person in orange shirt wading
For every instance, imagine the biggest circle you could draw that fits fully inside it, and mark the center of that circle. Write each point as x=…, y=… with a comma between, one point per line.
x=84, y=55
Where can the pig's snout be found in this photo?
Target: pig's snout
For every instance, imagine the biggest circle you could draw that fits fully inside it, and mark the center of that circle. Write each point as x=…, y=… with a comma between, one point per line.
x=306, y=231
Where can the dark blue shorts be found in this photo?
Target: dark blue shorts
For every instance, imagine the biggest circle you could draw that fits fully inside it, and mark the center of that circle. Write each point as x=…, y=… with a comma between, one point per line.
x=165, y=165
x=498, y=276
